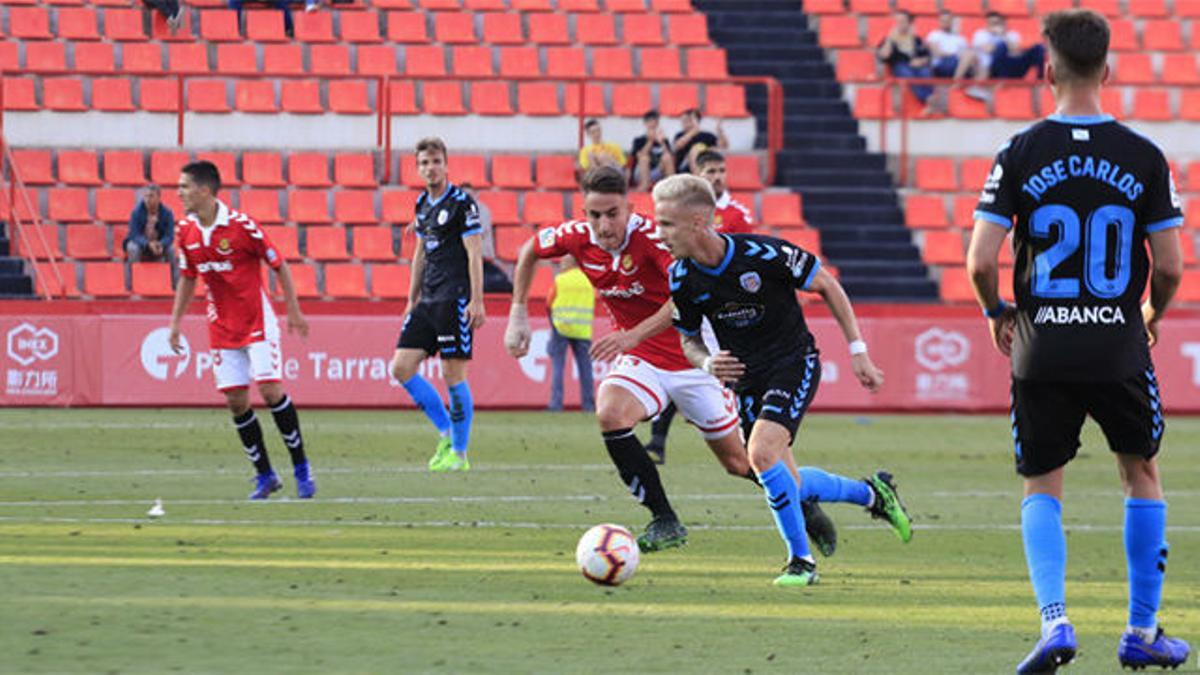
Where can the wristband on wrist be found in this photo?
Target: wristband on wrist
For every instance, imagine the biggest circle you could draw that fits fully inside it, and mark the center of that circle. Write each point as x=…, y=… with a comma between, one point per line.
x=995, y=312
x=858, y=347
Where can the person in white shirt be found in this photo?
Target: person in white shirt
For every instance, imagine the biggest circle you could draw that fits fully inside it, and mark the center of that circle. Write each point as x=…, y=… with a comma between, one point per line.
x=999, y=52
x=951, y=58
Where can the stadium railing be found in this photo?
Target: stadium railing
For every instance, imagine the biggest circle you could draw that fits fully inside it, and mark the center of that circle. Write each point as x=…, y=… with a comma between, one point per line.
x=16, y=197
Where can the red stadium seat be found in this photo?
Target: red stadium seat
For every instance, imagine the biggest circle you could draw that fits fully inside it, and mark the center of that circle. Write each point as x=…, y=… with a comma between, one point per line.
x=34, y=166
x=104, y=279
x=660, y=63
x=308, y=169
x=266, y=25
x=1134, y=69
x=1149, y=9
x=19, y=95
x=329, y=60
x=112, y=94
x=975, y=171
x=454, y=28
x=38, y=241
x=354, y=170
x=543, y=208
x=78, y=167
x=782, y=209
x=538, y=99
x=354, y=207
x=704, y=63
x=533, y=5
x=308, y=207
x=88, y=242
x=612, y=62
x=347, y=281
x=376, y=60
x=124, y=167
x=839, y=32
x=254, y=96
x=1152, y=105
x=473, y=60
x=490, y=98
x=469, y=169
x=1013, y=103
x=261, y=205
x=219, y=25
x=857, y=65
x=424, y=61
x=349, y=97
x=960, y=105
x=633, y=100
x=870, y=6
x=263, y=169
x=688, y=29
x=399, y=206
x=725, y=100
x=114, y=205
x=373, y=243
x=159, y=30
x=519, y=62
x=315, y=27
x=301, y=96
x=443, y=98
x=671, y=6
x=1162, y=36
x=578, y=5
x=63, y=94
x=226, y=164
x=556, y=172
x=509, y=241
x=407, y=27
x=565, y=62
x=402, y=98
x=963, y=214
x=93, y=57
x=408, y=172
x=743, y=172
x=503, y=206
x=237, y=59
x=593, y=102
x=646, y=29
x=187, y=58
x=152, y=280
x=1123, y=35
x=58, y=285
x=165, y=166
x=207, y=96
x=77, y=23
x=936, y=174
x=46, y=56
x=503, y=28
x=124, y=25
x=29, y=23
x=676, y=98
x=944, y=247
x=285, y=59
x=142, y=58
x=595, y=29
x=286, y=240
x=1180, y=69
x=925, y=211
x=390, y=281
x=625, y=5
x=512, y=171
x=548, y=29
x=325, y=243
x=360, y=27
x=304, y=277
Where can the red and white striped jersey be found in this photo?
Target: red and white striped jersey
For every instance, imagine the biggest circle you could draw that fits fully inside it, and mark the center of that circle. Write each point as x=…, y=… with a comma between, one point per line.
x=227, y=255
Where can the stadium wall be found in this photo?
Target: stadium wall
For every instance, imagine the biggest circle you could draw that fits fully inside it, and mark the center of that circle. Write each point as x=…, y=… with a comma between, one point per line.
x=935, y=358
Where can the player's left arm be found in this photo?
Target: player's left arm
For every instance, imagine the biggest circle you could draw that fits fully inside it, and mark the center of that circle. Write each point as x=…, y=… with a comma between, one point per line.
x=619, y=341
x=296, y=322
x=823, y=284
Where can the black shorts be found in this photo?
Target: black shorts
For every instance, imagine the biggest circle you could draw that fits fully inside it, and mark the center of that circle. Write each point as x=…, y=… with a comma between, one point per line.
x=1047, y=417
x=439, y=327
x=782, y=396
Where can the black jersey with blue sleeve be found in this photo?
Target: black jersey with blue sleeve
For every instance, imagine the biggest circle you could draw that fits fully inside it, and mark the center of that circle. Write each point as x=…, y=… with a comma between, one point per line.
x=442, y=224
x=1080, y=194
x=750, y=299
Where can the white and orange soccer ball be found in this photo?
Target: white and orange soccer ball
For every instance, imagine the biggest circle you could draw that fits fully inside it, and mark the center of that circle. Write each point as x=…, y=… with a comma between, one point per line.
x=607, y=555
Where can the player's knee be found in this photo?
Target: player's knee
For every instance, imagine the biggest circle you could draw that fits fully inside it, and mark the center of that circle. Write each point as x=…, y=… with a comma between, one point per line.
x=238, y=401
x=272, y=392
x=1138, y=474
x=402, y=371
x=613, y=417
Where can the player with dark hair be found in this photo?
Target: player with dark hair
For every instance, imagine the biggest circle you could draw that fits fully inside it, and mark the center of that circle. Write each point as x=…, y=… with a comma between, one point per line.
x=1083, y=195
x=445, y=305
x=621, y=255
x=746, y=286
x=226, y=249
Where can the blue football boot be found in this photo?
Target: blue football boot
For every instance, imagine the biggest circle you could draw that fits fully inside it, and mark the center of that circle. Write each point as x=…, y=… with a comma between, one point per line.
x=1165, y=651
x=1053, y=650
x=306, y=485
x=265, y=484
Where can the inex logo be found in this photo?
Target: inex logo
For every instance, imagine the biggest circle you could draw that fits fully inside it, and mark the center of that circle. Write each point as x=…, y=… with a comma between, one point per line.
x=28, y=343
x=938, y=349
x=159, y=360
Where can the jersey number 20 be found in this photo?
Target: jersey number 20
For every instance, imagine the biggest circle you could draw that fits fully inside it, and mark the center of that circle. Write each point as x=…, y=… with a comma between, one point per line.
x=1102, y=225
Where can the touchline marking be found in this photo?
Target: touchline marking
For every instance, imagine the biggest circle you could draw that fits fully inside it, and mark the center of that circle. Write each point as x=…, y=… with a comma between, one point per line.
x=499, y=524
x=451, y=499
x=495, y=468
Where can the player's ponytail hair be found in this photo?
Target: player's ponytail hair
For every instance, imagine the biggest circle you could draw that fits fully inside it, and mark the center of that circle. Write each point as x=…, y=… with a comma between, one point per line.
x=1078, y=40
x=686, y=190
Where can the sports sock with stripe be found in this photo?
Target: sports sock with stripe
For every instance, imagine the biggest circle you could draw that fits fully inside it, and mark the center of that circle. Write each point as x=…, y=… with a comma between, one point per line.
x=783, y=496
x=637, y=471
x=251, y=434
x=1046, y=555
x=823, y=486
x=462, y=411
x=288, y=423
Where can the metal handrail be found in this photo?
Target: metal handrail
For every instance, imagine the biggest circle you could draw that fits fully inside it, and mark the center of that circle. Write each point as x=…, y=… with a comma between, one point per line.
x=16, y=188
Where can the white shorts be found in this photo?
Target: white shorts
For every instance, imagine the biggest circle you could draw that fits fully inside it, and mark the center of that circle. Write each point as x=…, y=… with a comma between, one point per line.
x=260, y=361
x=699, y=396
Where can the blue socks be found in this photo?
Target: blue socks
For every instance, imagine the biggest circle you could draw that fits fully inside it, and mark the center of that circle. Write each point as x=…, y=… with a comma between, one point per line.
x=1046, y=554
x=1146, y=553
x=428, y=400
x=783, y=496
x=462, y=409
x=822, y=486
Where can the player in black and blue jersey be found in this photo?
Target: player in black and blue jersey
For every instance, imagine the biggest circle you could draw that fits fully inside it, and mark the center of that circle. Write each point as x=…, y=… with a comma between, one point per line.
x=445, y=305
x=1083, y=196
x=746, y=286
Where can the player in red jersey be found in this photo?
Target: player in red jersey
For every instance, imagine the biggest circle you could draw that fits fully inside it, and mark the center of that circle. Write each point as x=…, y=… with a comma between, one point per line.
x=620, y=253
x=226, y=248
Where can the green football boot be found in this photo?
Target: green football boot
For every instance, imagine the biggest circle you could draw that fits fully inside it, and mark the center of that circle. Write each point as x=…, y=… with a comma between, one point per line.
x=888, y=506
x=453, y=462
x=662, y=532
x=442, y=454
x=797, y=574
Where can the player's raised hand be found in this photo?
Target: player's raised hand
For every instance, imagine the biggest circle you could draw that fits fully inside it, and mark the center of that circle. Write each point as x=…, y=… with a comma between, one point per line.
x=725, y=367
x=868, y=374
x=517, y=334
x=1002, y=330
x=296, y=323
x=174, y=340
x=612, y=345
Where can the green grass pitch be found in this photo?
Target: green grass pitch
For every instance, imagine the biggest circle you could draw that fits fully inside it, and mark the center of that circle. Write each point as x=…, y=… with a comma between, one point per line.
x=394, y=570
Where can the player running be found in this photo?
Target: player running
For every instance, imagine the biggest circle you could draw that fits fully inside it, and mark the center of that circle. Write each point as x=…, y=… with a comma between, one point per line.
x=1086, y=194
x=746, y=286
x=622, y=257
x=731, y=218
x=225, y=248
x=445, y=305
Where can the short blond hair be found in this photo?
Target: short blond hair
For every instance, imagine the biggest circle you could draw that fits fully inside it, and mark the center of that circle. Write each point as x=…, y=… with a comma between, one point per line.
x=686, y=190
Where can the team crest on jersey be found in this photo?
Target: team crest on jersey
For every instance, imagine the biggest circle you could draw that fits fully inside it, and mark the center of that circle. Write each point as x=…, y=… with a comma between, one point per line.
x=627, y=267
x=546, y=237
x=750, y=281
x=443, y=216
x=224, y=247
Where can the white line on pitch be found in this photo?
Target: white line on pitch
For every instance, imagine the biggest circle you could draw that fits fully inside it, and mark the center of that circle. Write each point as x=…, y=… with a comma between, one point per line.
x=449, y=499
x=494, y=468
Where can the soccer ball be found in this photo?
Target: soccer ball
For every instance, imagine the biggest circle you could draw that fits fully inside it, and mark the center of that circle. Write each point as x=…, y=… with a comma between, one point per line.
x=607, y=555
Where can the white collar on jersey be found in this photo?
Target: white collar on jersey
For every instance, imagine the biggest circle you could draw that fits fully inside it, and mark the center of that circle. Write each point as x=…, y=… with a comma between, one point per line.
x=221, y=220
x=724, y=200
x=635, y=221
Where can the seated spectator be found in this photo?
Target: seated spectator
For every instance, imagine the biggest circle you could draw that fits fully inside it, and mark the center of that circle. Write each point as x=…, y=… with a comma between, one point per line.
x=289, y=26
x=599, y=152
x=693, y=140
x=999, y=53
x=731, y=216
x=905, y=55
x=495, y=277
x=171, y=10
x=652, y=158
x=948, y=49
x=151, y=230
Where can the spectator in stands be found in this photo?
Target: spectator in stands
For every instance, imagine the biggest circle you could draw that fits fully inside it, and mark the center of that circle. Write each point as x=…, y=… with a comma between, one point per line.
x=731, y=216
x=289, y=26
x=652, y=157
x=572, y=306
x=693, y=140
x=171, y=10
x=952, y=58
x=999, y=53
x=905, y=55
x=495, y=278
x=151, y=230
x=599, y=152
